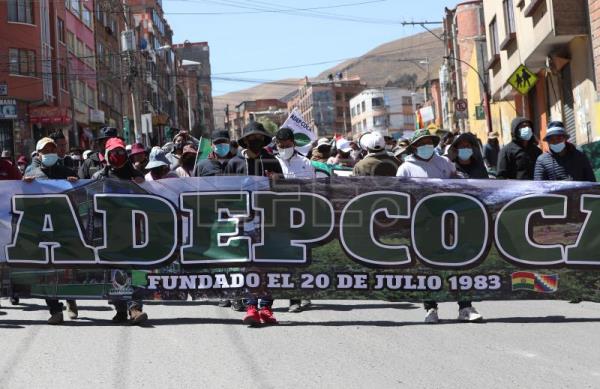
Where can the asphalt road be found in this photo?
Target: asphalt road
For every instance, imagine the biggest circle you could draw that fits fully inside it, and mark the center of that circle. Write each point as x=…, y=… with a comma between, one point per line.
x=338, y=344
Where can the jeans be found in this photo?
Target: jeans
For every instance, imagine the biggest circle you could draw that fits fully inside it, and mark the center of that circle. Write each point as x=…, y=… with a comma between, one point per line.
x=430, y=304
x=266, y=301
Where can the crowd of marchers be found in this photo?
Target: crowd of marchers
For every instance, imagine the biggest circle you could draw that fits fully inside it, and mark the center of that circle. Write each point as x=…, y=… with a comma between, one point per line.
x=429, y=153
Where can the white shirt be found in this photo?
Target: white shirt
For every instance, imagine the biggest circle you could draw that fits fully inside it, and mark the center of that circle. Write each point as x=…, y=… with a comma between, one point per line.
x=297, y=167
x=436, y=167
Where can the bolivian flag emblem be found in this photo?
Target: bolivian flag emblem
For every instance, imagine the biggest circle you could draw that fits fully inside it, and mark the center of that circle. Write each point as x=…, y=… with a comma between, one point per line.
x=541, y=283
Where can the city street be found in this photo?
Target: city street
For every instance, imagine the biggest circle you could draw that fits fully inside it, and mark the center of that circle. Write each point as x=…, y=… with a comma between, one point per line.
x=346, y=344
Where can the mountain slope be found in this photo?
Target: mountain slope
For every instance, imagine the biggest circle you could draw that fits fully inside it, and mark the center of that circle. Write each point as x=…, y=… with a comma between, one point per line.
x=399, y=63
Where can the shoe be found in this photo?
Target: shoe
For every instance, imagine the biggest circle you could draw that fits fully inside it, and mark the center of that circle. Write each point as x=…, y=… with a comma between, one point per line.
x=238, y=305
x=72, y=310
x=469, y=314
x=295, y=308
x=305, y=304
x=252, y=317
x=432, y=316
x=120, y=317
x=137, y=316
x=224, y=303
x=56, y=318
x=266, y=316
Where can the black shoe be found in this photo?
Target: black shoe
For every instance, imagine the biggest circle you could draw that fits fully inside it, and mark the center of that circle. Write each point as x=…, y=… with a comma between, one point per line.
x=224, y=303
x=120, y=317
x=238, y=305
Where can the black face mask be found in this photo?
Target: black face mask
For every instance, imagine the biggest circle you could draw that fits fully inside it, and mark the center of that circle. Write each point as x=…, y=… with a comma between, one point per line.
x=255, y=145
x=188, y=162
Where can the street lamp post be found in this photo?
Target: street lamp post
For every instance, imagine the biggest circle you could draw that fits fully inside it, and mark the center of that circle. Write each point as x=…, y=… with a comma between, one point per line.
x=486, y=93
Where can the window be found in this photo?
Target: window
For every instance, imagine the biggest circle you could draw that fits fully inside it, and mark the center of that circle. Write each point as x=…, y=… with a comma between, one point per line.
x=379, y=121
x=75, y=7
x=60, y=27
x=99, y=12
x=363, y=106
x=91, y=99
x=63, y=77
x=509, y=17
x=79, y=49
x=100, y=52
x=22, y=62
x=377, y=102
x=353, y=112
x=20, y=11
x=364, y=124
x=358, y=109
x=70, y=41
x=86, y=16
x=102, y=94
x=407, y=100
x=494, y=43
x=81, y=90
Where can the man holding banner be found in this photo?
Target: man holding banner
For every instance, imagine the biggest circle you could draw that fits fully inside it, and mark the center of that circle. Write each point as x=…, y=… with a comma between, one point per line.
x=425, y=163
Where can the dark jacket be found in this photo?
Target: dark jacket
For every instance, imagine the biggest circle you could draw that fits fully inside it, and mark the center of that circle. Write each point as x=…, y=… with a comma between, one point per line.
x=127, y=172
x=8, y=171
x=56, y=172
x=378, y=164
x=213, y=166
x=573, y=166
x=90, y=166
x=490, y=155
x=476, y=169
x=515, y=161
x=240, y=166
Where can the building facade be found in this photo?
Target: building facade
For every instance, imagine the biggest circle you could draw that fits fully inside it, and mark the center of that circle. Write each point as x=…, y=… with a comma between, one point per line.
x=389, y=111
x=198, y=56
x=254, y=110
x=551, y=38
x=325, y=105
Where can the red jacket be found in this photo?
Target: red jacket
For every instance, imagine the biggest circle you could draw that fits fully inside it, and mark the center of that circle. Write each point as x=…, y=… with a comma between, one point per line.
x=8, y=171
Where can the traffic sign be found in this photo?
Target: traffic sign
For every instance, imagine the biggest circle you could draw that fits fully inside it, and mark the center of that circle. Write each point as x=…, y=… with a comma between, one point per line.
x=460, y=105
x=523, y=80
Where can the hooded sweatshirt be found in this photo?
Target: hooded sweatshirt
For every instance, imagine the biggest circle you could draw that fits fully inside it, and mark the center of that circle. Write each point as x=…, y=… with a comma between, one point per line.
x=240, y=165
x=476, y=169
x=515, y=161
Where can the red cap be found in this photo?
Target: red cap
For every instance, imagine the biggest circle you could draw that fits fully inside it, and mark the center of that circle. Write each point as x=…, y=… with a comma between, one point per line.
x=114, y=143
x=137, y=148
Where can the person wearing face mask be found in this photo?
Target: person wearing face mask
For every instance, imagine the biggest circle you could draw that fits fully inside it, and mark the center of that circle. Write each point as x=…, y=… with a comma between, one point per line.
x=217, y=160
x=158, y=166
x=466, y=155
x=179, y=141
x=423, y=162
x=45, y=166
x=491, y=151
x=138, y=158
x=563, y=162
x=516, y=160
x=187, y=161
x=22, y=164
x=95, y=160
x=61, y=150
x=377, y=162
x=343, y=156
x=322, y=151
x=293, y=165
x=118, y=166
x=253, y=159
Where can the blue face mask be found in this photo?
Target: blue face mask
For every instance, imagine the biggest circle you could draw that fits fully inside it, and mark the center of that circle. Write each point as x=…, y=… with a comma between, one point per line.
x=49, y=159
x=222, y=149
x=425, y=152
x=558, y=148
x=465, y=154
x=526, y=133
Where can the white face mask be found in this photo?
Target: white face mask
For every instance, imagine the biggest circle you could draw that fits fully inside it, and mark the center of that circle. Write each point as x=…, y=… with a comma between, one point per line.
x=49, y=159
x=526, y=133
x=287, y=153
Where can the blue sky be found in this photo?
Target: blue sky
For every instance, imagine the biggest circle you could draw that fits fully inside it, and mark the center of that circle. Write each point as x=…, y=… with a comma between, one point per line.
x=251, y=40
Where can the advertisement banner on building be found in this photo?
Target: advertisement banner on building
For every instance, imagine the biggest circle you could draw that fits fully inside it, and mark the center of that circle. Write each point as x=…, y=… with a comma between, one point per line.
x=8, y=109
x=348, y=238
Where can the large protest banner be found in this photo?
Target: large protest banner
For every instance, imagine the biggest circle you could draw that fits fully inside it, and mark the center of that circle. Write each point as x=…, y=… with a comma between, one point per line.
x=343, y=238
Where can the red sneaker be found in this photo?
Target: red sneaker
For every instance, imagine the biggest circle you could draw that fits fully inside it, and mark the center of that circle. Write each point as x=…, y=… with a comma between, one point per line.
x=252, y=317
x=266, y=316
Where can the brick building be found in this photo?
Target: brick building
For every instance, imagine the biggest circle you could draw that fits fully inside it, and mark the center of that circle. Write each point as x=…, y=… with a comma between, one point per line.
x=200, y=94
x=325, y=105
x=34, y=97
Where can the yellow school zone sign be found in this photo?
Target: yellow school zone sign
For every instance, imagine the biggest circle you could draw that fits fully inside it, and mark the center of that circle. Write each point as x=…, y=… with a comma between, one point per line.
x=523, y=80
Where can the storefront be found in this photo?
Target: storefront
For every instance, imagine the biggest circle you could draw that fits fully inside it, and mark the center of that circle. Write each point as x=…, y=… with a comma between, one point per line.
x=46, y=120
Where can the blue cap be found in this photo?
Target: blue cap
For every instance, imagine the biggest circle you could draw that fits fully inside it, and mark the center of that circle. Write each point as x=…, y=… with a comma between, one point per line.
x=556, y=128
